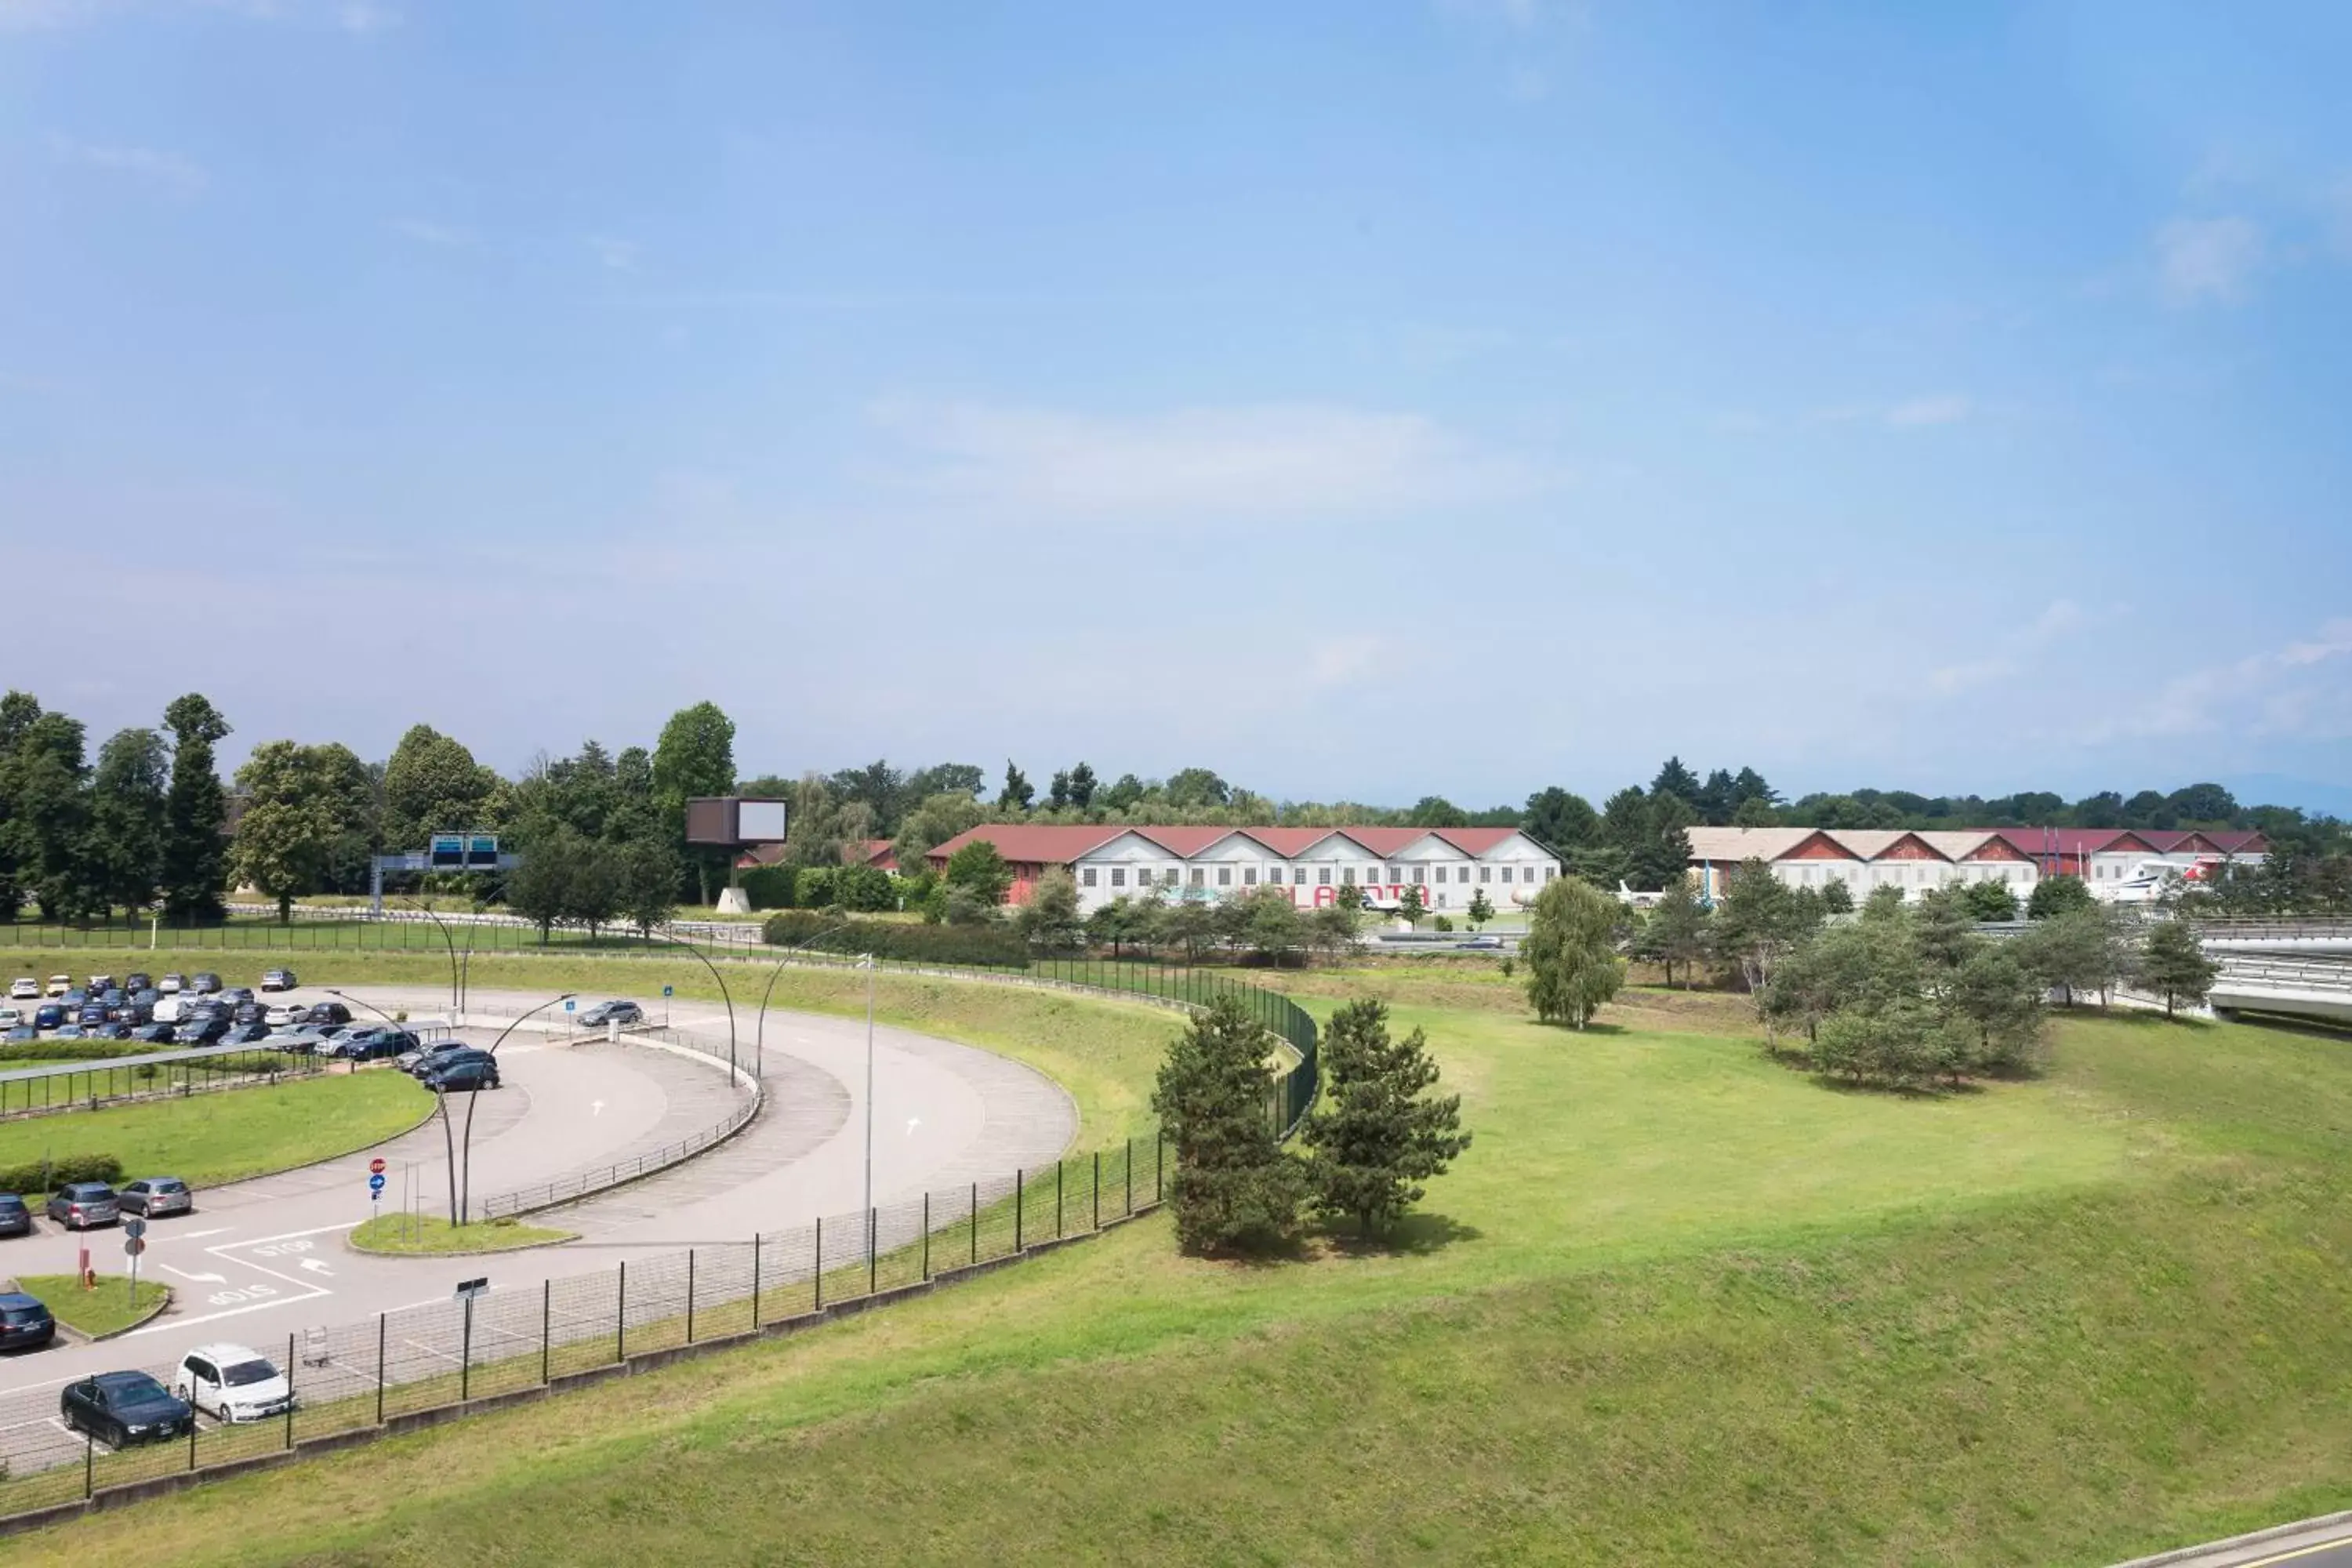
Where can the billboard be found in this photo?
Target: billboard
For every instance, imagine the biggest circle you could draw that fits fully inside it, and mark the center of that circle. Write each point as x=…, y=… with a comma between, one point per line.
x=463, y=852
x=760, y=821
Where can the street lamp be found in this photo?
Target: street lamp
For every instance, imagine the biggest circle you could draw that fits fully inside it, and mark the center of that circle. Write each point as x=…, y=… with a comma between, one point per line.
x=465, y=1200
x=451, y=943
x=868, y=963
x=723, y=992
x=448, y=1144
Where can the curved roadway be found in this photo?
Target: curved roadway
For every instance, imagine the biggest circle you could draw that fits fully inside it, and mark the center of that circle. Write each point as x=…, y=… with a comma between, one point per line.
x=262, y=1258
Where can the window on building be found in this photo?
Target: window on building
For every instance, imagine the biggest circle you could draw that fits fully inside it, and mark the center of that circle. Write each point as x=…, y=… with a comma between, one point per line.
x=1087, y=877
x=1420, y=874
x=1249, y=876
x=1395, y=875
x=1346, y=875
x=1200, y=876
x=1486, y=873
x=1118, y=876
x=1322, y=875
x=1550, y=872
x=1298, y=875
x=1506, y=873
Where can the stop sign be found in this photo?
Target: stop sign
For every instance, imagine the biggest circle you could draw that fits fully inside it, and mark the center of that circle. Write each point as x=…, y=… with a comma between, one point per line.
x=375, y=1167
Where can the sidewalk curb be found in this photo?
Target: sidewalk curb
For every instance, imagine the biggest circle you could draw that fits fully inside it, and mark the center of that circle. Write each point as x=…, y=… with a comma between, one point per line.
x=2213, y=1551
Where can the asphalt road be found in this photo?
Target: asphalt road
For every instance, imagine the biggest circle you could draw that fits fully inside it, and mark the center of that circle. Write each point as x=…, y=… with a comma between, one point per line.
x=263, y=1260
x=2326, y=1545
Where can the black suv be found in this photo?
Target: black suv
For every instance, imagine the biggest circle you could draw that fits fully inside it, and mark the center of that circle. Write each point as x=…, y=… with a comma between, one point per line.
x=16, y=1219
x=25, y=1322
x=326, y=1013
x=205, y=984
x=119, y=1408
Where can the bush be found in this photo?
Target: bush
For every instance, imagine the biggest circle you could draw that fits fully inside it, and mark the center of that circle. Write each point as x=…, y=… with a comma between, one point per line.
x=29, y=1178
x=770, y=887
x=73, y=1050
x=992, y=946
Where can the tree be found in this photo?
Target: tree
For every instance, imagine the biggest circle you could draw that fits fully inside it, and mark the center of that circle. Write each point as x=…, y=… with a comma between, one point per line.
x=1334, y=929
x=1572, y=964
x=648, y=883
x=1837, y=899
x=1018, y=791
x=1049, y=922
x=1411, y=906
x=1057, y=793
x=17, y=712
x=2175, y=966
x=1988, y=901
x=1560, y=821
x=1482, y=909
x=1756, y=923
x=540, y=889
x=946, y=778
x=1196, y=789
x=1436, y=811
x=1755, y=812
x=1123, y=795
x=2057, y=895
x=1377, y=1132
x=1676, y=780
x=1676, y=930
x=1082, y=786
x=195, y=813
x=941, y=817
x=45, y=778
x=877, y=786
x=127, y=810
x=1114, y=925
x=431, y=785
x=695, y=757
x=1350, y=898
x=2001, y=998
x=1188, y=923
x=1266, y=921
x=298, y=806
x=979, y=869
x=2077, y=949
x=1944, y=927
x=1233, y=1187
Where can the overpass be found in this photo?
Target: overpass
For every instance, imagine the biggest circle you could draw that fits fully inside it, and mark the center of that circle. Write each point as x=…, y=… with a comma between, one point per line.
x=2318, y=988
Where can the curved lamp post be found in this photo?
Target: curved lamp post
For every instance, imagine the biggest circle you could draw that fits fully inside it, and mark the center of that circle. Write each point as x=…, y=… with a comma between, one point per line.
x=449, y=940
x=726, y=994
x=448, y=1146
x=462, y=1185
x=868, y=963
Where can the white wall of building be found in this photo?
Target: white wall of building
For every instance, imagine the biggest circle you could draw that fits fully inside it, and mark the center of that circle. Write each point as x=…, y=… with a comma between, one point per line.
x=1512, y=873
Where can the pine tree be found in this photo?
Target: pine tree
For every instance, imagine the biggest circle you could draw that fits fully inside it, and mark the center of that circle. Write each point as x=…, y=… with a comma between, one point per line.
x=2175, y=966
x=1482, y=909
x=1676, y=932
x=1234, y=1186
x=1378, y=1133
x=196, y=836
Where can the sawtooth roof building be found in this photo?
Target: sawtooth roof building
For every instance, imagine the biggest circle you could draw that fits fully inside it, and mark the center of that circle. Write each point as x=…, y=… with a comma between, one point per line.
x=1450, y=865
x=2109, y=858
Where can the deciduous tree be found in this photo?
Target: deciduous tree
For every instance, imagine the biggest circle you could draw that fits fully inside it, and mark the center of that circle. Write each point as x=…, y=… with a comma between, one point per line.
x=695, y=757
x=1049, y=920
x=127, y=806
x=2057, y=895
x=1572, y=964
x=195, y=813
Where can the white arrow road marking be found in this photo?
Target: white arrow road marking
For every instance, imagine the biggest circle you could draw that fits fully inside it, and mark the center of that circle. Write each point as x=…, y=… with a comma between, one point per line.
x=595, y=1108
x=309, y=1289
x=191, y=1234
x=195, y=1278
x=315, y=1266
x=913, y=1123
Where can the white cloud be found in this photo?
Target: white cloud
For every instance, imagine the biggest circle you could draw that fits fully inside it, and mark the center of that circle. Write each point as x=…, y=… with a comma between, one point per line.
x=424, y=232
x=2014, y=654
x=2299, y=690
x=1204, y=465
x=620, y=254
x=170, y=172
x=2208, y=260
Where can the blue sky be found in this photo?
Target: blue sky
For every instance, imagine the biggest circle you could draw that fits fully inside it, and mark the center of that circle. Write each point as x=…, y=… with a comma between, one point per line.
x=1365, y=400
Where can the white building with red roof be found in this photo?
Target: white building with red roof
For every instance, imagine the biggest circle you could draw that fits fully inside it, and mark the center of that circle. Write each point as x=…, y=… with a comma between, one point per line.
x=1451, y=866
x=2121, y=864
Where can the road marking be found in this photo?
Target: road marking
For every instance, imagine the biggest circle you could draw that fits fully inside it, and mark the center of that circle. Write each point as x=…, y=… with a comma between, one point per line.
x=595, y=1108
x=191, y=1234
x=195, y=1278
x=2301, y=1551
x=315, y=1266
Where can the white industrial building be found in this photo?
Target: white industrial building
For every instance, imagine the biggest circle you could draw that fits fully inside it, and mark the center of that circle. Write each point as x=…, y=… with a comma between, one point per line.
x=1450, y=865
x=2120, y=864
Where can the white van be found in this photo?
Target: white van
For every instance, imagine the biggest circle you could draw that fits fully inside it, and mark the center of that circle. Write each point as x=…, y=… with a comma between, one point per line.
x=167, y=1009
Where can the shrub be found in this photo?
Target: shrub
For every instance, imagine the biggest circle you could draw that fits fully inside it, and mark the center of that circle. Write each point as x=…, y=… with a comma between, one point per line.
x=988, y=945
x=770, y=887
x=31, y=1179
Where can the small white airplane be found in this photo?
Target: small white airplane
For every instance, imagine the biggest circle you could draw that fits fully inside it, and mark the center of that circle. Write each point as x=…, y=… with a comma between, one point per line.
x=1627, y=895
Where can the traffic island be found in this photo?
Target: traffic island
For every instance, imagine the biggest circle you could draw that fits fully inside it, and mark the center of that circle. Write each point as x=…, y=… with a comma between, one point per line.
x=426, y=1236
x=97, y=1312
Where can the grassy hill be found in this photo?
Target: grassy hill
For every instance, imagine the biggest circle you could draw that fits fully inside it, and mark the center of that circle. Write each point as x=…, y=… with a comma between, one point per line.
x=1676, y=1304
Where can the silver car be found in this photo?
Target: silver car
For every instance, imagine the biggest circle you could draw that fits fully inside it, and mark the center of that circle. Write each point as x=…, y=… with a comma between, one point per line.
x=78, y=1205
x=152, y=1196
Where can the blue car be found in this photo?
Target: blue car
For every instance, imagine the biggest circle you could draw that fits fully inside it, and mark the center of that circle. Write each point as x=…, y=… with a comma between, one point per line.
x=48, y=1015
x=154, y=1034
x=92, y=1013
x=23, y=1032
x=116, y=1031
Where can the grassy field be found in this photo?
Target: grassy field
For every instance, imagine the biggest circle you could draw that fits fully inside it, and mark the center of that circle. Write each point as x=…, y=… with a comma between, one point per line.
x=1675, y=1304
x=109, y=1309
x=424, y=1233
x=210, y=1138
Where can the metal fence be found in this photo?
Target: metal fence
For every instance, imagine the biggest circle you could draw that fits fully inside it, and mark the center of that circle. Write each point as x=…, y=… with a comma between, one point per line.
x=85, y=1086
x=377, y=1375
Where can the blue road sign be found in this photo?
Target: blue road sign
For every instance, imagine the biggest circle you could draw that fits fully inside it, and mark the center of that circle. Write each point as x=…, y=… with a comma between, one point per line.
x=567, y=1003
x=376, y=1183
x=667, y=990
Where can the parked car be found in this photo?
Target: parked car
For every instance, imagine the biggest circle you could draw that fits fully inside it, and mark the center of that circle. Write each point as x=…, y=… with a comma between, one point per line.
x=100, y=984
x=281, y=1016
x=426, y=1057
x=300, y=1039
x=233, y=1383
x=138, y=979
x=245, y=1035
x=205, y=1031
x=606, y=1013
x=10, y=1018
x=370, y=1044
x=48, y=1015
x=247, y=1013
x=92, y=1014
x=20, y=1033
x=110, y=996
x=71, y=1032
x=15, y=1218
x=119, y=1408
x=24, y=988
x=327, y=1013
x=236, y=994
x=155, y=1033
x=278, y=979
x=117, y=1030
x=172, y=984
x=24, y=1321
x=205, y=983
x=152, y=1196
x=75, y=1000
x=172, y=1009
x=58, y=985
x=463, y=1074
x=78, y=1205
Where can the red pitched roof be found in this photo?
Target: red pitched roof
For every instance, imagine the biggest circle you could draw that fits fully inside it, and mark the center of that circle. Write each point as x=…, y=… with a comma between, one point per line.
x=1059, y=845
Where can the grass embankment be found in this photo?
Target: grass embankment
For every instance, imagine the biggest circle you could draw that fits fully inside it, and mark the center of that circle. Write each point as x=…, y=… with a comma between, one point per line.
x=423, y=1236
x=209, y=1138
x=108, y=1309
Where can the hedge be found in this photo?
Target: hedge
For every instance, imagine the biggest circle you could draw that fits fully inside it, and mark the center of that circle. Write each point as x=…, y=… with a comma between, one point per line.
x=988, y=945
x=32, y=1178
x=864, y=889
x=52, y=1049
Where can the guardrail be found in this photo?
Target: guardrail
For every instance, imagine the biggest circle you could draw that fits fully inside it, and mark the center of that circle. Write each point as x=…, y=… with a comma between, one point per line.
x=2316, y=974
x=35, y=1089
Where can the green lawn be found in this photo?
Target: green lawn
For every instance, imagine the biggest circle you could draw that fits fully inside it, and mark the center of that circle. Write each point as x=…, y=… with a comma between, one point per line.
x=423, y=1234
x=1676, y=1304
x=227, y=1135
x=109, y=1309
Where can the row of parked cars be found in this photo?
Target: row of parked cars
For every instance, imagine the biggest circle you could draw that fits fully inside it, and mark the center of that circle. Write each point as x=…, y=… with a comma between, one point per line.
x=24, y=988
x=202, y=1013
